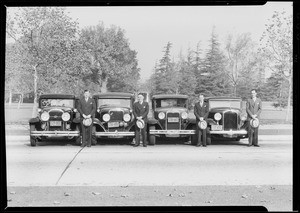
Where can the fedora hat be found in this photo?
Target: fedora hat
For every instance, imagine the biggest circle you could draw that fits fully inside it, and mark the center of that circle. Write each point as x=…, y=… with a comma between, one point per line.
x=254, y=122
x=87, y=121
x=140, y=124
x=202, y=124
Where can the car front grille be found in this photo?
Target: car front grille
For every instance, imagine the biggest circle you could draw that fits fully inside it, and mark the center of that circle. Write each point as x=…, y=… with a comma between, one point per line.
x=230, y=120
x=116, y=115
x=173, y=125
x=55, y=114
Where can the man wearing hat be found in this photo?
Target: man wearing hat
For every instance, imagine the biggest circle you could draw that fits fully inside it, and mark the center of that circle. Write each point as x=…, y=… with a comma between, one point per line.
x=86, y=108
x=140, y=112
x=253, y=109
x=201, y=112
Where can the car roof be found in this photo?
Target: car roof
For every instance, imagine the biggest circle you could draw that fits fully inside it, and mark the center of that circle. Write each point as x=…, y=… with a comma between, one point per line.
x=114, y=95
x=63, y=96
x=223, y=98
x=169, y=96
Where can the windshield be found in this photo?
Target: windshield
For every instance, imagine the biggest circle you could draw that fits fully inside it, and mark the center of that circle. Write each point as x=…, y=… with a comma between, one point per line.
x=171, y=102
x=114, y=102
x=225, y=103
x=57, y=103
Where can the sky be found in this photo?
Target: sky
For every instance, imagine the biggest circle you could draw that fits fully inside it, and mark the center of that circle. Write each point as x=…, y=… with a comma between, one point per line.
x=149, y=28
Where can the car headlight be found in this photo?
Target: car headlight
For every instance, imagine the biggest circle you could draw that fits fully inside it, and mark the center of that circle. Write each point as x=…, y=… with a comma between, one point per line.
x=161, y=115
x=184, y=115
x=218, y=116
x=243, y=116
x=126, y=117
x=45, y=116
x=106, y=117
x=66, y=116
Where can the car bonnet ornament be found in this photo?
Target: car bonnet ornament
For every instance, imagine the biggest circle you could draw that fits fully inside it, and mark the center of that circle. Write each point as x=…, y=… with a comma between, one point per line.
x=254, y=122
x=202, y=124
x=140, y=124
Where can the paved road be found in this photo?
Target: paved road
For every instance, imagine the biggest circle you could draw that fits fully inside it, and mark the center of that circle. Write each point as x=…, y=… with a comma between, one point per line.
x=170, y=173
x=230, y=163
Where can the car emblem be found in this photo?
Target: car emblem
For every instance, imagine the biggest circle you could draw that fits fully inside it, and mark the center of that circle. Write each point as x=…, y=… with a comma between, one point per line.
x=55, y=116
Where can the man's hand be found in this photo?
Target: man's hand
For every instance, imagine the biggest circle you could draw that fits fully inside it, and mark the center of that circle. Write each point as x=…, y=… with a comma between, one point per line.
x=254, y=116
x=89, y=116
x=83, y=115
x=139, y=118
x=201, y=118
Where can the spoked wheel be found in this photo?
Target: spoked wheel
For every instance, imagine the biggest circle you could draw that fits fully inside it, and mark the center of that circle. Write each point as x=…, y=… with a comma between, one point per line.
x=33, y=140
x=152, y=138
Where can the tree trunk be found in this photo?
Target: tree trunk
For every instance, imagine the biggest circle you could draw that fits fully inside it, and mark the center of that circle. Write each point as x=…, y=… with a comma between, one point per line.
x=289, y=99
x=34, y=109
x=104, y=85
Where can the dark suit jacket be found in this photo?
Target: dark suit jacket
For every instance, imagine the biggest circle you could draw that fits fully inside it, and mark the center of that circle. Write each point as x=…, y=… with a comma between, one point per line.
x=253, y=108
x=87, y=108
x=141, y=110
x=201, y=111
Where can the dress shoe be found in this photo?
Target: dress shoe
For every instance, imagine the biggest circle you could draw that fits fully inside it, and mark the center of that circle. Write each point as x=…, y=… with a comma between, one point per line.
x=198, y=145
x=88, y=145
x=256, y=145
x=136, y=145
x=144, y=145
x=82, y=145
x=204, y=145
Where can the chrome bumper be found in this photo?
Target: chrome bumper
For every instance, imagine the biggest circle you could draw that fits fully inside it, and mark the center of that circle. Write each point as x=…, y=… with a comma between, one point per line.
x=229, y=132
x=114, y=134
x=55, y=133
x=172, y=132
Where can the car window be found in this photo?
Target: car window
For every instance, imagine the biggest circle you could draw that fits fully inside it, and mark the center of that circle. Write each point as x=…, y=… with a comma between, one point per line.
x=57, y=103
x=171, y=102
x=225, y=103
x=114, y=102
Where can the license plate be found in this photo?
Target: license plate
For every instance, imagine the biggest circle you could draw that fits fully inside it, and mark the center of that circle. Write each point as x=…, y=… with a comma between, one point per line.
x=173, y=120
x=55, y=123
x=113, y=124
x=216, y=127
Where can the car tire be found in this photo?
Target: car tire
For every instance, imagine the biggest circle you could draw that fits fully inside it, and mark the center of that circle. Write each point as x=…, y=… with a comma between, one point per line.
x=208, y=141
x=94, y=138
x=33, y=140
x=78, y=139
x=152, y=138
x=194, y=139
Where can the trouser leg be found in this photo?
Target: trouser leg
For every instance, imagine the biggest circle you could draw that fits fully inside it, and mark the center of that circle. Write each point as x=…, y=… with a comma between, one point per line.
x=199, y=136
x=137, y=136
x=250, y=134
x=204, y=137
x=83, y=131
x=144, y=135
x=89, y=135
x=255, y=136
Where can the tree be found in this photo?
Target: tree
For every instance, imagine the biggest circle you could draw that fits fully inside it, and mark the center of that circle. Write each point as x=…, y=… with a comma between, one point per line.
x=109, y=62
x=241, y=69
x=277, y=48
x=45, y=37
x=212, y=79
x=166, y=76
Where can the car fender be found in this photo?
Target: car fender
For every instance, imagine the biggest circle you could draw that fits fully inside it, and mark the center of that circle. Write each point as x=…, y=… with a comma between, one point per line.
x=210, y=121
x=98, y=123
x=152, y=121
x=34, y=120
x=76, y=120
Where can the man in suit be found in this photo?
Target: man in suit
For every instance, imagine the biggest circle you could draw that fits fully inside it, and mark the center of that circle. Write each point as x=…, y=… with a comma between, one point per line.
x=140, y=112
x=201, y=113
x=86, y=108
x=253, y=109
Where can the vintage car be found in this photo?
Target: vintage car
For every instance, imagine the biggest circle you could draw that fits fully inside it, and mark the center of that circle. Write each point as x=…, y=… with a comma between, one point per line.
x=170, y=117
x=114, y=117
x=226, y=118
x=57, y=118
